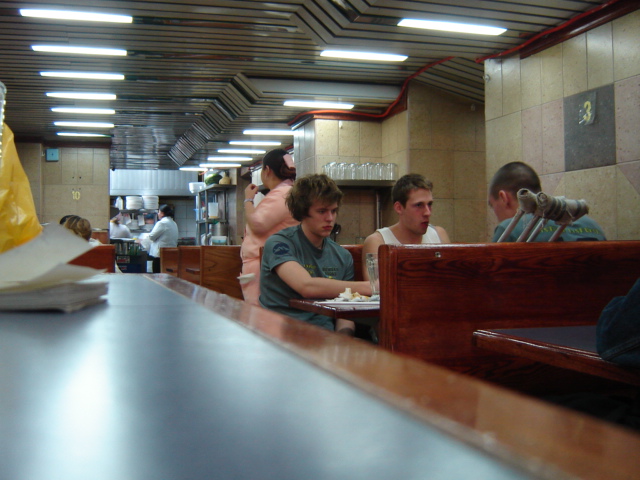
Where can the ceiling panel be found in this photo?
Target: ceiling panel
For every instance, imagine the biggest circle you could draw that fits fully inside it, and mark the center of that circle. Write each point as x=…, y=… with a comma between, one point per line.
x=200, y=72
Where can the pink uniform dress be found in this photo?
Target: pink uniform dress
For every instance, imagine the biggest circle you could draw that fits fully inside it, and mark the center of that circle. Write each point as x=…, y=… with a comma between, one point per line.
x=270, y=216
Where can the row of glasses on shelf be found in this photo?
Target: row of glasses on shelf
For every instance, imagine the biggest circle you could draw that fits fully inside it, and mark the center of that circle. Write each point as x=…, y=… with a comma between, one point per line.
x=361, y=171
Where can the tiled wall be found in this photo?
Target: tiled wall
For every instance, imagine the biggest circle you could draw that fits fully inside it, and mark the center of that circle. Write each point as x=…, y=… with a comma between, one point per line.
x=438, y=136
x=525, y=120
x=77, y=184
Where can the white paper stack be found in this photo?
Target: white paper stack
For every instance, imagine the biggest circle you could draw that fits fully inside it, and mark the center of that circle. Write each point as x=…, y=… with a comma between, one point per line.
x=36, y=275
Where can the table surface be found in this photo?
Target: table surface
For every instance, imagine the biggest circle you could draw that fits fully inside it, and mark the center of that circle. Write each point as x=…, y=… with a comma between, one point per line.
x=572, y=347
x=350, y=312
x=154, y=385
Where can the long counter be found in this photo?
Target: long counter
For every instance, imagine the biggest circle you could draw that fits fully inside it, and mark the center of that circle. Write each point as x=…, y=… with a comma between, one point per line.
x=171, y=380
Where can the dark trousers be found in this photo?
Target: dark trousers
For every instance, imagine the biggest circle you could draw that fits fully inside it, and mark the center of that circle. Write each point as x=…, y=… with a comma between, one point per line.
x=155, y=266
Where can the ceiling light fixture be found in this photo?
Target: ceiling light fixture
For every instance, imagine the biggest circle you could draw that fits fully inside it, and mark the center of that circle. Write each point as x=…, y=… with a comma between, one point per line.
x=79, y=50
x=93, y=111
x=240, y=150
x=193, y=169
x=451, y=27
x=381, y=57
x=267, y=132
x=318, y=104
x=229, y=158
x=71, y=15
x=84, y=75
x=256, y=143
x=220, y=165
x=84, y=124
x=79, y=134
x=82, y=96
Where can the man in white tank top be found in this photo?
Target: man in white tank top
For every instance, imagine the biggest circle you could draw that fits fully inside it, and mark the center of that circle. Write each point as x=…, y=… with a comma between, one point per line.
x=413, y=201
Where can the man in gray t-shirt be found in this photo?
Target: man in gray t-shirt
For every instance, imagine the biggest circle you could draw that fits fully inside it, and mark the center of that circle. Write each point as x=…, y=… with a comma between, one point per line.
x=302, y=261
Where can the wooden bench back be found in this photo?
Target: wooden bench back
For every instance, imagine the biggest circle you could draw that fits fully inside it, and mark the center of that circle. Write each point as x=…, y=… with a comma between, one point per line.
x=189, y=263
x=220, y=266
x=102, y=257
x=169, y=260
x=433, y=297
x=356, y=253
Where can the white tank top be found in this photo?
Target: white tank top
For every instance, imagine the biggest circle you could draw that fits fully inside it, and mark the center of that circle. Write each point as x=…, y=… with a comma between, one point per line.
x=431, y=236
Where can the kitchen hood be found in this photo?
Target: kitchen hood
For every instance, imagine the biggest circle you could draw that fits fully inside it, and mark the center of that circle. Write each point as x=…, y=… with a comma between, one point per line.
x=168, y=183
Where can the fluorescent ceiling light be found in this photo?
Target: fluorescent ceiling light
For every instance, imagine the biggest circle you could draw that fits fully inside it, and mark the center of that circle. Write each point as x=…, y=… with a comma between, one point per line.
x=451, y=27
x=193, y=169
x=240, y=150
x=228, y=158
x=79, y=50
x=84, y=124
x=78, y=134
x=84, y=75
x=70, y=15
x=317, y=104
x=255, y=143
x=220, y=165
x=267, y=132
x=95, y=111
x=381, y=57
x=82, y=96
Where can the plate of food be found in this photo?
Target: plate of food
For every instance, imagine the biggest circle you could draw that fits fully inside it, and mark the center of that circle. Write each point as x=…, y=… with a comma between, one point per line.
x=351, y=298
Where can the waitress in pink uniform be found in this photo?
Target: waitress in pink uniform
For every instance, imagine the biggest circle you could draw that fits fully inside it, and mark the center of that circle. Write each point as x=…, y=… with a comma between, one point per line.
x=270, y=216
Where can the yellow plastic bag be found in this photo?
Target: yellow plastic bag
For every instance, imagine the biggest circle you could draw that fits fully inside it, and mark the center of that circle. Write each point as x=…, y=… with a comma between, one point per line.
x=18, y=220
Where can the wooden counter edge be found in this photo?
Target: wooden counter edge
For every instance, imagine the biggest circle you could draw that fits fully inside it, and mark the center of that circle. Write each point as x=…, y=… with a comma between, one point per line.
x=545, y=440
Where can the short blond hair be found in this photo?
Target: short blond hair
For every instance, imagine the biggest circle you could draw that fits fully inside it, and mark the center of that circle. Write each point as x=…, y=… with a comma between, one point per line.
x=80, y=226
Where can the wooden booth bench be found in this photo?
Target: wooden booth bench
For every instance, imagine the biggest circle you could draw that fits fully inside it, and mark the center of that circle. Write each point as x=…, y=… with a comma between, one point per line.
x=102, y=257
x=434, y=297
x=220, y=266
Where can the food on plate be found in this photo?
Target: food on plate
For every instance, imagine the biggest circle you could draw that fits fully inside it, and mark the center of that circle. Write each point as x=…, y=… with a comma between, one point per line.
x=347, y=296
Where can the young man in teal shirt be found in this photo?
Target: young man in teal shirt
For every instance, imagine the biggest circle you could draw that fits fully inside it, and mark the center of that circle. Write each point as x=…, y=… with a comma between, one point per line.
x=302, y=261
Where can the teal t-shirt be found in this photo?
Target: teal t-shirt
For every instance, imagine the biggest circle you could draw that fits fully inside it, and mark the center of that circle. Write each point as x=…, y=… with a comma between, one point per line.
x=583, y=229
x=291, y=245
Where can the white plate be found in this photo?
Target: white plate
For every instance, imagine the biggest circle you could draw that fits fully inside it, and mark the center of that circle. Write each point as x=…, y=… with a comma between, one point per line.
x=333, y=303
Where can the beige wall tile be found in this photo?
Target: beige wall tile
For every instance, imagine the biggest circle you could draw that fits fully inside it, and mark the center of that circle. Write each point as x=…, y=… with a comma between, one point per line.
x=58, y=201
x=626, y=38
x=600, y=56
x=101, y=168
x=443, y=119
x=553, y=137
x=481, y=136
x=551, y=73
x=85, y=169
x=574, y=65
x=443, y=215
x=469, y=174
x=504, y=141
x=470, y=221
x=420, y=125
x=348, y=138
x=326, y=133
x=370, y=139
x=627, y=207
x=511, y=91
x=627, y=100
x=597, y=186
x=553, y=184
x=437, y=166
x=465, y=128
x=532, y=138
x=51, y=173
x=531, y=82
x=493, y=88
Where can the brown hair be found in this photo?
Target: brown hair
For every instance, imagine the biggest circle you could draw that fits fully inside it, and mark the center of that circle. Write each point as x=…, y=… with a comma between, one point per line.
x=275, y=161
x=307, y=190
x=512, y=177
x=406, y=184
x=80, y=226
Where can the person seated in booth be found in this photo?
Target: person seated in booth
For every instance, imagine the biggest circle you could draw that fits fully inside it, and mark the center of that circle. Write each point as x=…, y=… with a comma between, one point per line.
x=81, y=227
x=302, y=261
x=413, y=202
x=503, y=199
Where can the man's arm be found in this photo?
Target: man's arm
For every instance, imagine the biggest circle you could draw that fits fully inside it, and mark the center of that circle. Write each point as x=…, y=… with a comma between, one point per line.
x=442, y=233
x=371, y=244
x=294, y=275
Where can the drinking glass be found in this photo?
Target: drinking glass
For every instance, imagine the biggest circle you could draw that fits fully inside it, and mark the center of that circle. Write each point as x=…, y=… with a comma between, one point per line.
x=372, y=270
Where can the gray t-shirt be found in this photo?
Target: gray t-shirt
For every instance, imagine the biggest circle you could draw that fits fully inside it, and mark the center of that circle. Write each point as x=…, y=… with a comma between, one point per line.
x=291, y=245
x=583, y=229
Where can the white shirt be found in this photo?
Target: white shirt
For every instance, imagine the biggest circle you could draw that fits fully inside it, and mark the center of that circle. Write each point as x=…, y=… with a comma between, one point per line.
x=117, y=230
x=431, y=236
x=164, y=234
